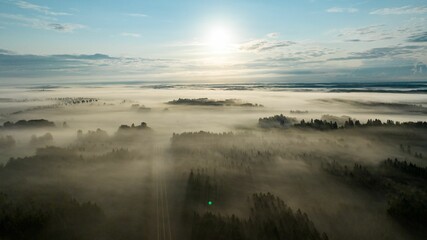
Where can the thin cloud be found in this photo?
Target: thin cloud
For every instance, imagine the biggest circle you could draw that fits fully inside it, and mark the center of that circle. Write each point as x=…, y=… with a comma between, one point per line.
x=365, y=34
x=419, y=68
x=342, y=10
x=60, y=27
x=400, y=10
x=136, y=15
x=26, y=65
x=260, y=45
x=96, y=56
x=41, y=23
x=273, y=35
x=38, y=8
x=382, y=53
x=421, y=37
x=4, y=51
x=127, y=34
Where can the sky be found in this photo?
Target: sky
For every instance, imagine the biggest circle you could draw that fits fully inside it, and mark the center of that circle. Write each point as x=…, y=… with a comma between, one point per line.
x=218, y=41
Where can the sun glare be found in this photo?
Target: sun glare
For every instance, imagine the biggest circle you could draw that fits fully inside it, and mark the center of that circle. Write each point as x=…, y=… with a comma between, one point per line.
x=219, y=39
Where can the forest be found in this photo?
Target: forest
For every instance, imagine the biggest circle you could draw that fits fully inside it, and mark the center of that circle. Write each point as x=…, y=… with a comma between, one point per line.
x=213, y=102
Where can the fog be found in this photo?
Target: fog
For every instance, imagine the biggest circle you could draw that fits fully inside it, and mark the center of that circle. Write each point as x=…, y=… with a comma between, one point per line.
x=126, y=162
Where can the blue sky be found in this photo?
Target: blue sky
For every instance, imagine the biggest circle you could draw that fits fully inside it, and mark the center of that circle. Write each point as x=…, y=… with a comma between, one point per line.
x=213, y=41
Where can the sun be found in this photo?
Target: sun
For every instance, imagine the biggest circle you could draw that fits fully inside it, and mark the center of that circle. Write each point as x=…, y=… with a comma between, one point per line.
x=219, y=39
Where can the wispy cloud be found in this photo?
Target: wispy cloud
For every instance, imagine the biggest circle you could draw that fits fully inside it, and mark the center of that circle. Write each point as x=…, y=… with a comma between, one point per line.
x=38, y=23
x=273, y=35
x=102, y=66
x=136, y=14
x=365, y=34
x=4, y=51
x=96, y=56
x=342, y=10
x=419, y=37
x=419, y=68
x=32, y=66
x=400, y=10
x=382, y=53
x=407, y=31
x=128, y=34
x=38, y=8
x=62, y=27
x=264, y=45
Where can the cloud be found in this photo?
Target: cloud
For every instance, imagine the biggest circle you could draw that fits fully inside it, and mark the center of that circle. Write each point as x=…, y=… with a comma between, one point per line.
x=301, y=57
x=260, y=45
x=285, y=59
x=136, y=15
x=365, y=34
x=127, y=34
x=8, y=59
x=38, y=8
x=10, y=63
x=342, y=10
x=419, y=68
x=101, y=66
x=4, y=51
x=420, y=37
x=406, y=31
x=400, y=10
x=96, y=56
x=73, y=65
x=38, y=23
x=273, y=35
x=60, y=27
x=381, y=53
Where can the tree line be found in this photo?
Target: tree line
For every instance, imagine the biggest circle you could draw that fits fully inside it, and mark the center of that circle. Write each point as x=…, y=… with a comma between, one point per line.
x=280, y=121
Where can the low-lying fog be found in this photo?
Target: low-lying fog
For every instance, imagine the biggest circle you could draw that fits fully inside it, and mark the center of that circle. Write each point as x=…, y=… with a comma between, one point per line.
x=159, y=177
x=114, y=107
